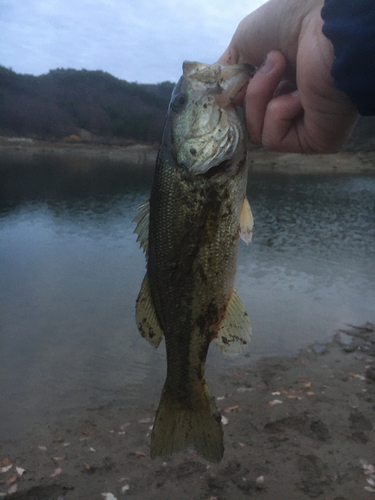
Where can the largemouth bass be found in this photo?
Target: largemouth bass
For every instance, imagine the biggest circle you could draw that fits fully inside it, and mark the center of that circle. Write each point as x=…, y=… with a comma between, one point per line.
x=190, y=232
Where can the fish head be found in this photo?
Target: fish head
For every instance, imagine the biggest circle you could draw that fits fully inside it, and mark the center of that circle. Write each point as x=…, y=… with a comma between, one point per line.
x=205, y=128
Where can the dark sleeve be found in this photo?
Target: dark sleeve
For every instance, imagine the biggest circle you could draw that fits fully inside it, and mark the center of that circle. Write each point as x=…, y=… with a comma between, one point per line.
x=350, y=25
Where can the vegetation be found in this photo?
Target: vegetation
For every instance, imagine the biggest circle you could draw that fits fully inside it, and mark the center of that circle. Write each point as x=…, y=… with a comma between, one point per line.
x=84, y=104
x=94, y=105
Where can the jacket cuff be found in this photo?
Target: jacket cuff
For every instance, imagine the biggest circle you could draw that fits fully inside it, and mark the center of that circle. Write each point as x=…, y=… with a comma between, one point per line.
x=350, y=26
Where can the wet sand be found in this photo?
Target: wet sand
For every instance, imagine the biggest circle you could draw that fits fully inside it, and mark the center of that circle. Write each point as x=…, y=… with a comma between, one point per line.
x=298, y=427
x=86, y=155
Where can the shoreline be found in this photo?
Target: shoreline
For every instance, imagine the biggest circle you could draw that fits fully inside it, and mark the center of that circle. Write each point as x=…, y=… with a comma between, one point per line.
x=144, y=156
x=299, y=426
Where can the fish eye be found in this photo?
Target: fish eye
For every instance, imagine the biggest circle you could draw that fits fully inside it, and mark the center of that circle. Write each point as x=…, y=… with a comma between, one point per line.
x=179, y=101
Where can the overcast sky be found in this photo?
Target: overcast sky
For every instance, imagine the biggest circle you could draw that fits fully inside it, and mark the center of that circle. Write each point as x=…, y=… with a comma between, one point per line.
x=136, y=40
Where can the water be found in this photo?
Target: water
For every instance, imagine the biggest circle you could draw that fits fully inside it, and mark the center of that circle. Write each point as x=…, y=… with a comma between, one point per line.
x=70, y=271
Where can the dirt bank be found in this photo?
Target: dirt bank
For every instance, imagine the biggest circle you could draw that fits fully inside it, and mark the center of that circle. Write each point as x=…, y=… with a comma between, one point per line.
x=27, y=150
x=296, y=164
x=144, y=156
x=298, y=427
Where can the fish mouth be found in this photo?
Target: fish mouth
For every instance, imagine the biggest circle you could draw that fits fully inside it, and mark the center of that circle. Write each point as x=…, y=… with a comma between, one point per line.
x=224, y=81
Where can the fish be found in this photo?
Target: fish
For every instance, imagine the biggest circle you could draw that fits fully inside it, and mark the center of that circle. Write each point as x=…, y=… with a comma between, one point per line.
x=190, y=230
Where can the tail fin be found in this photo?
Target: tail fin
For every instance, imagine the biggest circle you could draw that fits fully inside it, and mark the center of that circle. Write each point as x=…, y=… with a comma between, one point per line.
x=177, y=427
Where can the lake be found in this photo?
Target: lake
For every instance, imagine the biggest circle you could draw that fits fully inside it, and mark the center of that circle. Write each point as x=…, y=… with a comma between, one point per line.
x=70, y=272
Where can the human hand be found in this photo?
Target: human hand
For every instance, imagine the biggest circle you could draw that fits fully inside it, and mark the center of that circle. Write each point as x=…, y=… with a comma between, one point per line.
x=291, y=104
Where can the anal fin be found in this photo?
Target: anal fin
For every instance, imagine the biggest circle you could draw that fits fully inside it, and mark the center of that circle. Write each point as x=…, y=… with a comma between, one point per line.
x=235, y=331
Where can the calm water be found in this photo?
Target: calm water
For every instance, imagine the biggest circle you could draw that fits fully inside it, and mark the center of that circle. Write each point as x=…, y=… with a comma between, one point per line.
x=70, y=271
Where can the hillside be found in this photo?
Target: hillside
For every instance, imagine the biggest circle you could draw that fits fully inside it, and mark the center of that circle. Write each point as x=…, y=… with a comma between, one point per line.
x=83, y=104
x=97, y=107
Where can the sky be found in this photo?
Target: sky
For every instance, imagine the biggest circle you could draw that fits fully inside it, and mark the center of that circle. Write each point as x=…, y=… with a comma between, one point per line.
x=142, y=41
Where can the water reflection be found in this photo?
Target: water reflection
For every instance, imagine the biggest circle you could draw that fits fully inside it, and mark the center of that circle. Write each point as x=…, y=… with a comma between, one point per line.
x=71, y=269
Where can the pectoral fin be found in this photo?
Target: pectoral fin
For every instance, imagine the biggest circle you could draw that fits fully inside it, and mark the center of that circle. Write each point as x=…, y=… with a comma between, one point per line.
x=246, y=222
x=235, y=331
x=142, y=221
x=145, y=315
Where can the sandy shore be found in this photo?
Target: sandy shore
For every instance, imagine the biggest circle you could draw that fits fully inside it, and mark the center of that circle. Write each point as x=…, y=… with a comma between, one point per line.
x=298, y=427
x=143, y=157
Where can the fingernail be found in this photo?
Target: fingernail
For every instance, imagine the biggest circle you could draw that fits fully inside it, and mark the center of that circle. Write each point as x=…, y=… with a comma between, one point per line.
x=267, y=66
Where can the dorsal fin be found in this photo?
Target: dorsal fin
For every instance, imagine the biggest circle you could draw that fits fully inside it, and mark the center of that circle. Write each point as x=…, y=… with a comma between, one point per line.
x=142, y=221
